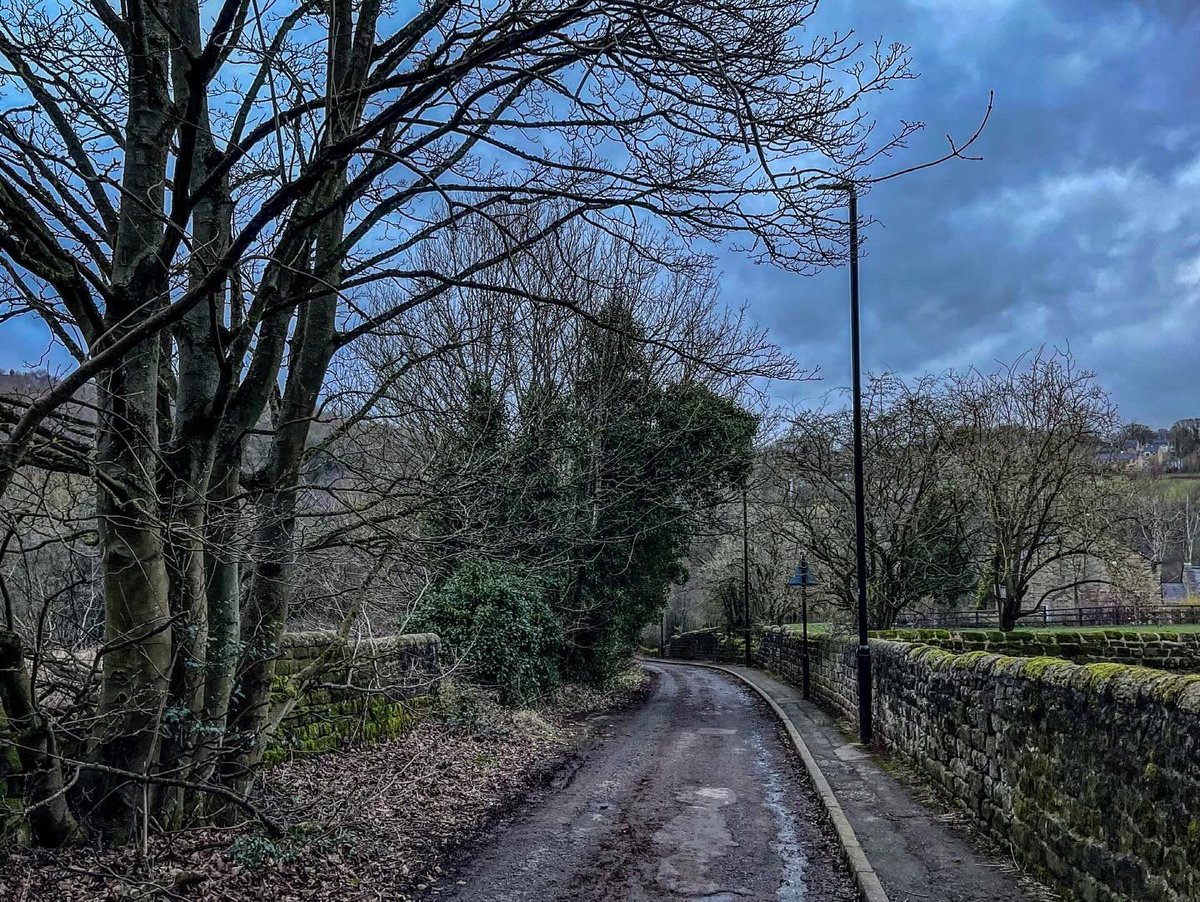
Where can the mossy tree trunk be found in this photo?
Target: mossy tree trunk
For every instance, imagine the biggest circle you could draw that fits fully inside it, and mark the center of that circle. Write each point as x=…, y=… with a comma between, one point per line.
x=137, y=616
x=50, y=820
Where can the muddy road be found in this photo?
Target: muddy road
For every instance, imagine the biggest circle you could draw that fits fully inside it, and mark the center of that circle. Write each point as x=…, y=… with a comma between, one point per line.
x=690, y=796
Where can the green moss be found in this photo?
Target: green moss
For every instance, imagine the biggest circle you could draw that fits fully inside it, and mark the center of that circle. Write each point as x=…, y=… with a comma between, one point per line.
x=1101, y=674
x=1166, y=687
x=933, y=657
x=339, y=723
x=1022, y=636
x=970, y=659
x=1042, y=667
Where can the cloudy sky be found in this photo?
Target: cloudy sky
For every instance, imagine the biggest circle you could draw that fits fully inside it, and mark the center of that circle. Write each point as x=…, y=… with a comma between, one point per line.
x=1081, y=225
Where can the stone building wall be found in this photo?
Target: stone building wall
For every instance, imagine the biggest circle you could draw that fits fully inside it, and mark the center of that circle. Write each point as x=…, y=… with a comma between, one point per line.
x=1090, y=772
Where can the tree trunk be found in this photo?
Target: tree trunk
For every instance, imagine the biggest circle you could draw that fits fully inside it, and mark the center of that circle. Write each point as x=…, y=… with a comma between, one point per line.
x=270, y=590
x=45, y=795
x=137, y=654
x=224, y=610
x=1010, y=610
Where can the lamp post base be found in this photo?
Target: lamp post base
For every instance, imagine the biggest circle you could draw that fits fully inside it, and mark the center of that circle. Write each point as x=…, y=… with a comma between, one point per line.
x=864, y=694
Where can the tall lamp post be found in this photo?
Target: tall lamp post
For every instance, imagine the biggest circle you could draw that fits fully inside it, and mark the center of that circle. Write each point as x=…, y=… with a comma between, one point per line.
x=803, y=578
x=860, y=516
x=746, y=572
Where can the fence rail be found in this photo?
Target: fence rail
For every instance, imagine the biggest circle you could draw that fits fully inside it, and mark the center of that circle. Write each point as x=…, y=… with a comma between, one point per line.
x=1106, y=615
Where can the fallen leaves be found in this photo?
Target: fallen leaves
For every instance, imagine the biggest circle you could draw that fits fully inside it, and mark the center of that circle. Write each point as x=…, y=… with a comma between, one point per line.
x=364, y=824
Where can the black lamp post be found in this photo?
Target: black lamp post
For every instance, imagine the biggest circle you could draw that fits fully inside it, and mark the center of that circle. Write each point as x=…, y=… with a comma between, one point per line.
x=860, y=514
x=860, y=517
x=803, y=578
x=746, y=573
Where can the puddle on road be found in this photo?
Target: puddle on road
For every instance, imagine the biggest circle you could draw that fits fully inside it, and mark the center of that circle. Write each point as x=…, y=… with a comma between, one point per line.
x=792, y=887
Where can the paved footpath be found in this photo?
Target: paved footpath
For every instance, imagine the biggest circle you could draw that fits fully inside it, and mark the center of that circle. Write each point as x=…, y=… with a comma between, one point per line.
x=917, y=855
x=692, y=795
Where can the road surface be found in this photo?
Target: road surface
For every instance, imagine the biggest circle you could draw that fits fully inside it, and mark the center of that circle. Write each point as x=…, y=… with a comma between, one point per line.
x=691, y=796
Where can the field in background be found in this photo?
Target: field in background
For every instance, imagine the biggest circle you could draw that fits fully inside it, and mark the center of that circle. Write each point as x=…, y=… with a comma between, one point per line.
x=1176, y=488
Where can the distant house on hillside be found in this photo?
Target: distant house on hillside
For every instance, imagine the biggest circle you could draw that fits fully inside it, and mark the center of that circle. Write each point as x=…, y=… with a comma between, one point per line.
x=1155, y=455
x=1118, y=457
x=1174, y=593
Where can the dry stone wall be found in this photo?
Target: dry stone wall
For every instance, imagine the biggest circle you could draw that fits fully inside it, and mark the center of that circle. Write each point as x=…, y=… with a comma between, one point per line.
x=1090, y=772
x=331, y=692
x=1166, y=650
x=702, y=645
x=336, y=691
x=832, y=667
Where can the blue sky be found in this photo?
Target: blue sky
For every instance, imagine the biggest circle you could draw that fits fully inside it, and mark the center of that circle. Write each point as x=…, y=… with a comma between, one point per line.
x=1081, y=225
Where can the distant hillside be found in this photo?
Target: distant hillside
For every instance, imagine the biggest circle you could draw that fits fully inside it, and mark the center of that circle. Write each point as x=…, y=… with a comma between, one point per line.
x=18, y=387
x=28, y=384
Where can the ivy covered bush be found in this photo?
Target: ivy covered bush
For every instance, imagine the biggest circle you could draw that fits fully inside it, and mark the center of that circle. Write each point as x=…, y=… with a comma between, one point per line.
x=495, y=617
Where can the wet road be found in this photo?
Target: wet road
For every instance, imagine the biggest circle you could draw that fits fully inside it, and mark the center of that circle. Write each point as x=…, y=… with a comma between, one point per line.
x=690, y=796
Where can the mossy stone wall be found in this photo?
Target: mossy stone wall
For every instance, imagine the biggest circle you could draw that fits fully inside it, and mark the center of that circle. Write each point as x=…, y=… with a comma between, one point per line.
x=1090, y=772
x=832, y=667
x=1165, y=650
x=336, y=691
x=700, y=645
x=339, y=691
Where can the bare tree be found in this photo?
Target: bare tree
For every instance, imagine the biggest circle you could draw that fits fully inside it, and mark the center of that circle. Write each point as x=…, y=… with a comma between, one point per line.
x=1190, y=520
x=1157, y=523
x=198, y=201
x=1029, y=438
x=919, y=525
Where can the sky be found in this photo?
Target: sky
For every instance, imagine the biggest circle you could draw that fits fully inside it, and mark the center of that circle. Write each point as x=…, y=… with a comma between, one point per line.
x=1080, y=227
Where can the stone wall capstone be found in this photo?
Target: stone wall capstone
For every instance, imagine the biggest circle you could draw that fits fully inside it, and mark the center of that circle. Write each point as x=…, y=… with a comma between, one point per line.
x=1166, y=650
x=1089, y=772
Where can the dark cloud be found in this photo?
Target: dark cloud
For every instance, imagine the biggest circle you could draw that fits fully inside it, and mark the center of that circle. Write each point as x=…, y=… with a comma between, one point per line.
x=1081, y=226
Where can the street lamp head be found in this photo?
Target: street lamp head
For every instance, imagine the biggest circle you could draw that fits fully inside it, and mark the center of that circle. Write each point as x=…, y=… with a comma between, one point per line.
x=847, y=186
